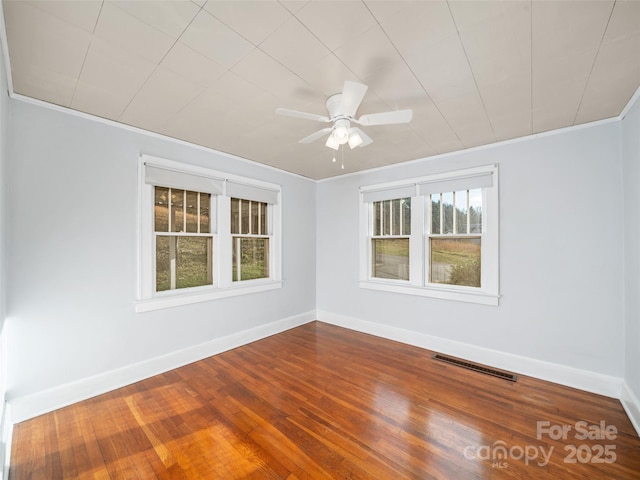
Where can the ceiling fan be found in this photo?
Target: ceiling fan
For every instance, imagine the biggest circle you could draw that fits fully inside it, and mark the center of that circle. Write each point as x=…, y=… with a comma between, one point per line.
x=342, y=108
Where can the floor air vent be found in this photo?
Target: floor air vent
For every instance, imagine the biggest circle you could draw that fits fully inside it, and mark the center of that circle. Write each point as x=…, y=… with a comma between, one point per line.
x=475, y=367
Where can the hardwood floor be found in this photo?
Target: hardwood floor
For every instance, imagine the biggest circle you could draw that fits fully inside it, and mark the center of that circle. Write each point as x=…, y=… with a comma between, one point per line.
x=321, y=402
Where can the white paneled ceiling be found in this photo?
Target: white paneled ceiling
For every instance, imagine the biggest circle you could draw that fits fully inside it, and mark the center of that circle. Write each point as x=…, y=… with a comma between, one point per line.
x=213, y=72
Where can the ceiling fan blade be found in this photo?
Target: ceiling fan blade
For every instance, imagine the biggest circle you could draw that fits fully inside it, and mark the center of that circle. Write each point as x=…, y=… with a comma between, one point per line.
x=316, y=135
x=296, y=114
x=386, y=118
x=352, y=95
x=366, y=139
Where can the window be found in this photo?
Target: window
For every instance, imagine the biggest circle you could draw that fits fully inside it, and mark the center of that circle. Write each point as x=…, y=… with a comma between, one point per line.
x=433, y=236
x=455, y=238
x=204, y=235
x=249, y=230
x=183, y=238
x=390, y=239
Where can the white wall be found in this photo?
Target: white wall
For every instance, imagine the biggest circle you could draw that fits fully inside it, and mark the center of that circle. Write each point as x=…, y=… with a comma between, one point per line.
x=630, y=141
x=72, y=238
x=561, y=264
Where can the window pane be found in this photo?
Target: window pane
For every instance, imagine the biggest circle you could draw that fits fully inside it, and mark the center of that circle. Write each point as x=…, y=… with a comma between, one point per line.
x=193, y=262
x=250, y=258
x=390, y=258
x=177, y=210
x=205, y=215
x=264, y=226
x=405, y=205
x=435, y=214
x=455, y=261
x=386, y=217
x=244, y=216
x=461, y=212
x=192, y=212
x=255, y=207
x=447, y=209
x=235, y=215
x=161, y=209
x=377, y=212
x=257, y=217
x=392, y=217
x=182, y=262
x=395, y=217
x=475, y=210
x=163, y=262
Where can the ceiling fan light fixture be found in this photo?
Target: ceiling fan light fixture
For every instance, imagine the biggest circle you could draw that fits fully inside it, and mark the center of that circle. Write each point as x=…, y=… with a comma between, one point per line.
x=341, y=132
x=332, y=142
x=355, y=140
x=342, y=136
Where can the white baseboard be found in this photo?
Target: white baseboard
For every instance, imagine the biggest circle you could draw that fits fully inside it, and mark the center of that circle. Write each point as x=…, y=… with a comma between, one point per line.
x=631, y=405
x=572, y=377
x=29, y=406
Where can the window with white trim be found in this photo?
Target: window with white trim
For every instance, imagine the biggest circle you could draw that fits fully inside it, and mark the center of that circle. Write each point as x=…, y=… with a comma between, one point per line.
x=250, y=238
x=391, y=230
x=455, y=237
x=204, y=234
x=183, y=238
x=433, y=236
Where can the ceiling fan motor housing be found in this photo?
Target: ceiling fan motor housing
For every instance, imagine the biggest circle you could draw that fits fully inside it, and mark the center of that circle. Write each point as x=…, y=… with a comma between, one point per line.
x=333, y=106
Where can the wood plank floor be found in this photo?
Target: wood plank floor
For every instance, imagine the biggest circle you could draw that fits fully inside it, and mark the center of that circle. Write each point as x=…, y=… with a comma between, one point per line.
x=322, y=402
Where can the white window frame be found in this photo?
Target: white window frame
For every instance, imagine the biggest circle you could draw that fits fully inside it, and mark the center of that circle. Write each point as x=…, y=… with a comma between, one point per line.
x=237, y=237
x=385, y=236
x=170, y=233
x=223, y=286
x=418, y=283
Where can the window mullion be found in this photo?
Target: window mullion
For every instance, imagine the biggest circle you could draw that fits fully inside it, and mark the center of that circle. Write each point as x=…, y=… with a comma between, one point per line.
x=416, y=254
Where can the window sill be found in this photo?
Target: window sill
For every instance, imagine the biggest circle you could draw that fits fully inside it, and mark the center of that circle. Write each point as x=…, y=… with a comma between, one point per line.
x=459, y=294
x=178, y=299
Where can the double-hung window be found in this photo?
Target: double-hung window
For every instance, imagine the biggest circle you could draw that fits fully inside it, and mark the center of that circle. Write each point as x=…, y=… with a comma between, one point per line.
x=455, y=238
x=250, y=239
x=204, y=234
x=391, y=225
x=253, y=223
x=433, y=236
x=183, y=238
